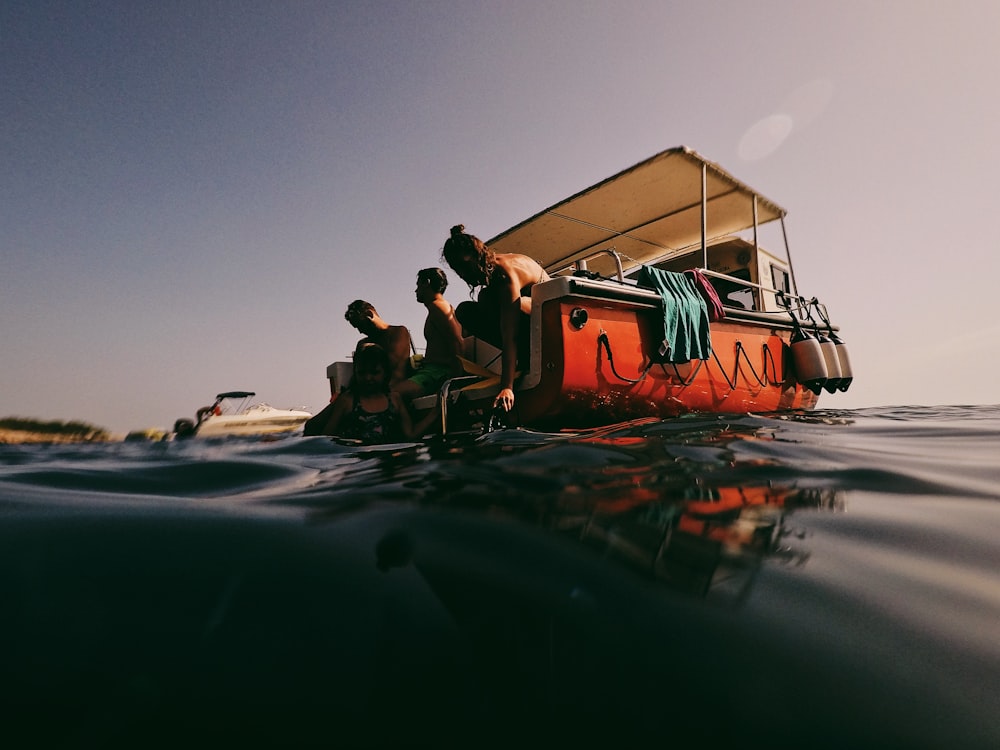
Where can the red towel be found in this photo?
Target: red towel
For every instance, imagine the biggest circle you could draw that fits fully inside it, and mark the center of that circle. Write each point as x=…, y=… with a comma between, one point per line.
x=707, y=291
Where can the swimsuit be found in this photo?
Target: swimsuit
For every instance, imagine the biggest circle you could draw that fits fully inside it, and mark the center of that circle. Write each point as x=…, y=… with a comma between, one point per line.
x=372, y=427
x=430, y=376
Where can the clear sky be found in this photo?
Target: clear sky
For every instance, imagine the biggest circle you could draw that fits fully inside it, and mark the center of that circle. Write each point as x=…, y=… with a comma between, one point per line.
x=191, y=192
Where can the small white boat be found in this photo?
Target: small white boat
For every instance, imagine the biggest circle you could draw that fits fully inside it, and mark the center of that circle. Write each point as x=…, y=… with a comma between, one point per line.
x=234, y=414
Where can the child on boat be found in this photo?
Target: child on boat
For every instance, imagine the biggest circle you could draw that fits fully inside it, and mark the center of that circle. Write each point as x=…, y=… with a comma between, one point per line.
x=367, y=411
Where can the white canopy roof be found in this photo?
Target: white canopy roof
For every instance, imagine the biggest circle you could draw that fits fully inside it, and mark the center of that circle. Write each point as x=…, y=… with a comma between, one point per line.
x=645, y=212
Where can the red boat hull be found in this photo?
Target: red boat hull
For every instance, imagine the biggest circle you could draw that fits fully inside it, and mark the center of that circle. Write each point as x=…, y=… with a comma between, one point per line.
x=748, y=371
x=582, y=375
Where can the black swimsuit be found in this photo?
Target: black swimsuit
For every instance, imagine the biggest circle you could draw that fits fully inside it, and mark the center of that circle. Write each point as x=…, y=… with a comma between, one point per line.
x=372, y=428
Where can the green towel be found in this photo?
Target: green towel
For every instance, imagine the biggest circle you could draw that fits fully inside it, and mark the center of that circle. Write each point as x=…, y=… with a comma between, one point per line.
x=686, y=333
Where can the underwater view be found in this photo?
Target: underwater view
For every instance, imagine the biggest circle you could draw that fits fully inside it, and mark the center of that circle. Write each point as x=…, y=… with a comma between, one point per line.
x=814, y=579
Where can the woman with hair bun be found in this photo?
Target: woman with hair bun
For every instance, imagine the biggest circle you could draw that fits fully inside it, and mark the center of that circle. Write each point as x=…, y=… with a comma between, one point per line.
x=500, y=316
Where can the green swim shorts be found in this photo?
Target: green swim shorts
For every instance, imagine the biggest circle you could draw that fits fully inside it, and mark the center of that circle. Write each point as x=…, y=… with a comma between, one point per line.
x=430, y=377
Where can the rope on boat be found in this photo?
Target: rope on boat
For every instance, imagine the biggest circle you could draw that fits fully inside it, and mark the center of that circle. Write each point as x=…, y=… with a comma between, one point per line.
x=774, y=366
x=677, y=373
x=809, y=305
x=732, y=385
x=602, y=340
x=801, y=309
x=740, y=349
x=821, y=311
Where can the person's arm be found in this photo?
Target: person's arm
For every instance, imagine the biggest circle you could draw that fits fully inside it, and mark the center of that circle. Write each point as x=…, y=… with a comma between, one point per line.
x=449, y=325
x=430, y=420
x=520, y=272
x=405, y=422
x=509, y=311
x=340, y=407
x=399, y=355
x=447, y=334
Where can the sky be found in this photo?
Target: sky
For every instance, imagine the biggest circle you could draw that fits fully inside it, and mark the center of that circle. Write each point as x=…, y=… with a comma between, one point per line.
x=191, y=192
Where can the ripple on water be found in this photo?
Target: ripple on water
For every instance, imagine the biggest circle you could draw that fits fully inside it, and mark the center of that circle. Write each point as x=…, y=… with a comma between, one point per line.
x=808, y=579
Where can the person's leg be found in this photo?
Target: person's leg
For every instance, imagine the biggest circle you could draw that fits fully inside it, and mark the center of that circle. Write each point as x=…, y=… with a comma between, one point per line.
x=481, y=321
x=424, y=381
x=409, y=389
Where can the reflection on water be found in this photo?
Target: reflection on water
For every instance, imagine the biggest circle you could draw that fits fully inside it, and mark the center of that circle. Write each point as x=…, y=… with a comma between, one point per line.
x=825, y=579
x=642, y=503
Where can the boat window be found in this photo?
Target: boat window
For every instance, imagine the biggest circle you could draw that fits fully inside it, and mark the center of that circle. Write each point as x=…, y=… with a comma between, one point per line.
x=733, y=293
x=782, y=282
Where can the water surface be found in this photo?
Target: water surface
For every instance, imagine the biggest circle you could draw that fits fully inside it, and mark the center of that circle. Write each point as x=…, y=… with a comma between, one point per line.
x=821, y=579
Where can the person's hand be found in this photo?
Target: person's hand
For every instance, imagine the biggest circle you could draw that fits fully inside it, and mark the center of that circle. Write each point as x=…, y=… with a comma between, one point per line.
x=505, y=399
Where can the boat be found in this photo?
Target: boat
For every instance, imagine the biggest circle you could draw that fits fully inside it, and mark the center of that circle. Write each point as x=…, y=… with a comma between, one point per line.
x=662, y=301
x=232, y=413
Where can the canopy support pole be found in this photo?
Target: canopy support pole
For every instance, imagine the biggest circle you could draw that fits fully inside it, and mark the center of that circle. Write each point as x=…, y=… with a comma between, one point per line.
x=704, y=215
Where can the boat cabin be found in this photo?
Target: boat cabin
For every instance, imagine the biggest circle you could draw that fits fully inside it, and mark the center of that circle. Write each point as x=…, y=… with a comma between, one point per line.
x=745, y=277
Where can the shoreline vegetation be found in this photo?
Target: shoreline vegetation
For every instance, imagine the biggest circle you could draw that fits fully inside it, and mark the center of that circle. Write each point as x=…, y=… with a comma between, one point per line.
x=26, y=430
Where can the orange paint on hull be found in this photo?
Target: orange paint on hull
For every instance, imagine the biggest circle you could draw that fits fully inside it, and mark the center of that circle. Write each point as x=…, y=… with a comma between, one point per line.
x=581, y=386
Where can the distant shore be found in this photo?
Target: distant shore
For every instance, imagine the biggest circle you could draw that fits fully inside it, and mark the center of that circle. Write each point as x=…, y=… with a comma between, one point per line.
x=13, y=437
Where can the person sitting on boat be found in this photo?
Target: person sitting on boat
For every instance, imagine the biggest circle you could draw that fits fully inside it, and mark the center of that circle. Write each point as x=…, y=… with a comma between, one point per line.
x=394, y=340
x=367, y=411
x=442, y=333
x=207, y=411
x=500, y=316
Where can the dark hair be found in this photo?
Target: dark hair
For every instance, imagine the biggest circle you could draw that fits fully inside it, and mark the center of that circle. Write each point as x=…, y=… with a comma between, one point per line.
x=359, y=307
x=370, y=357
x=460, y=243
x=435, y=277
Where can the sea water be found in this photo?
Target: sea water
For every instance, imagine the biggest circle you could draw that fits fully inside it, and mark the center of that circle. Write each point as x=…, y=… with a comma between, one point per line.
x=829, y=578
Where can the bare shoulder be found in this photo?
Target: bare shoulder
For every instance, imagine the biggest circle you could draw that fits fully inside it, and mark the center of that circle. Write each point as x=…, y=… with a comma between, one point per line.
x=441, y=308
x=520, y=269
x=343, y=404
x=399, y=335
